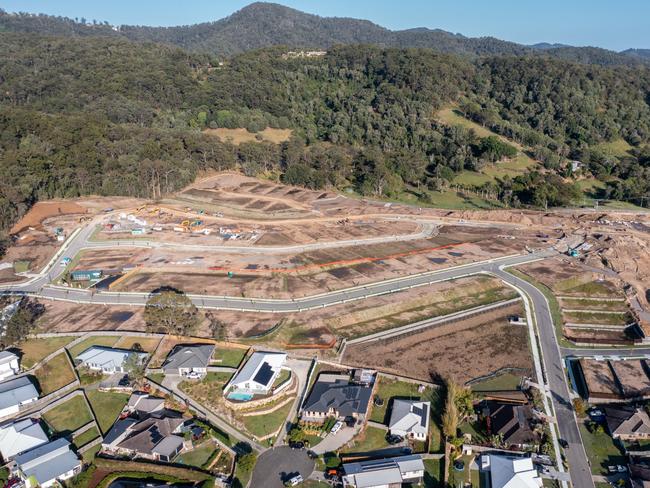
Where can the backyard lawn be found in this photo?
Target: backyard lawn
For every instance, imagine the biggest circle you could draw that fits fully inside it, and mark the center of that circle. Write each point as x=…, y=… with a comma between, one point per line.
x=388, y=389
x=228, y=356
x=506, y=381
x=36, y=349
x=601, y=450
x=197, y=457
x=466, y=475
x=371, y=439
x=148, y=344
x=108, y=341
x=434, y=473
x=55, y=374
x=69, y=416
x=107, y=406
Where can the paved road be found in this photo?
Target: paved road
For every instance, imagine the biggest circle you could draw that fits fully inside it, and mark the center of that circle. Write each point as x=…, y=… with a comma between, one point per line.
x=277, y=465
x=557, y=381
x=277, y=305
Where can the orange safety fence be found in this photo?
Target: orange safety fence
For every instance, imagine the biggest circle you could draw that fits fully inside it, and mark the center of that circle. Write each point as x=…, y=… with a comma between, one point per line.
x=343, y=262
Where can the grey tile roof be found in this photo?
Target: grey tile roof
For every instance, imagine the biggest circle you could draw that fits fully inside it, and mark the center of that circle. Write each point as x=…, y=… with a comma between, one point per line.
x=410, y=416
x=339, y=395
x=16, y=391
x=107, y=357
x=189, y=356
x=48, y=461
x=382, y=472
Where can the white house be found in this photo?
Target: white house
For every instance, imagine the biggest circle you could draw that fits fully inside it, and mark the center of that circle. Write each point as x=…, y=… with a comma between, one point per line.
x=107, y=359
x=8, y=365
x=20, y=436
x=257, y=375
x=382, y=473
x=511, y=472
x=46, y=464
x=14, y=393
x=410, y=419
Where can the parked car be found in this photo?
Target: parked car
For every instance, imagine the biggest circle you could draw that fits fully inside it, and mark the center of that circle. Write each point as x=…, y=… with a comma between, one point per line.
x=394, y=439
x=296, y=445
x=66, y=261
x=563, y=443
x=337, y=426
x=312, y=455
x=124, y=381
x=350, y=421
x=296, y=480
x=193, y=375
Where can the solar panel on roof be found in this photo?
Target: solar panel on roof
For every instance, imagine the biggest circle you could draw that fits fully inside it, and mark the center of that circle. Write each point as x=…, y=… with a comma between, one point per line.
x=264, y=374
x=425, y=414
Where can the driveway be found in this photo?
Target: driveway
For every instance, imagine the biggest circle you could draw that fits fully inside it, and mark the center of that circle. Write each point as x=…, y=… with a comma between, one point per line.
x=333, y=442
x=277, y=465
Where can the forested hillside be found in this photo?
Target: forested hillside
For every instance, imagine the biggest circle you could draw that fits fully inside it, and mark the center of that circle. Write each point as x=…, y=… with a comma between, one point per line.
x=110, y=116
x=261, y=24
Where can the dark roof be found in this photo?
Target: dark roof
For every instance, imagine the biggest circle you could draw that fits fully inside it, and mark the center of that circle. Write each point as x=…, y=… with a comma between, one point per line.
x=118, y=429
x=264, y=374
x=339, y=395
x=511, y=421
x=151, y=431
x=627, y=420
x=189, y=356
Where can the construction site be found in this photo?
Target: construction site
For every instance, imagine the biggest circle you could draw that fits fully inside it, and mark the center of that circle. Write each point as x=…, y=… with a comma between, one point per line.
x=231, y=235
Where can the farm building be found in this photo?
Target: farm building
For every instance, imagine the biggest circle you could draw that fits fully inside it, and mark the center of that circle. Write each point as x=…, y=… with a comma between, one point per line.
x=86, y=275
x=8, y=365
x=381, y=473
x=410, y=419
x=334, y=396
x=256, y=376
x=15, y=393
x=107, y=359
x=188, y=358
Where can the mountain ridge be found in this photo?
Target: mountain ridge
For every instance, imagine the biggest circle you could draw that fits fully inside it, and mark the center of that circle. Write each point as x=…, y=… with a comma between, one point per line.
x=262, y=24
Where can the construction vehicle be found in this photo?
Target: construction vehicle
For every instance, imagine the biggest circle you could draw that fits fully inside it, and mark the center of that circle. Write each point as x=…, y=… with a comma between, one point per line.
x=154, y=210
x=83, y=219
x=185, y=223
x=141, y=208
x=196, y=223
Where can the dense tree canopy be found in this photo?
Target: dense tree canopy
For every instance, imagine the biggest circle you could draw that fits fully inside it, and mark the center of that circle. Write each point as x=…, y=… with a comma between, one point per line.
x=109, y=116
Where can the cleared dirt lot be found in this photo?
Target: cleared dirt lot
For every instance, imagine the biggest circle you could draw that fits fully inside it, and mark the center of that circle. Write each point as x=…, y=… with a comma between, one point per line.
x=69, y=317
x=463, y=350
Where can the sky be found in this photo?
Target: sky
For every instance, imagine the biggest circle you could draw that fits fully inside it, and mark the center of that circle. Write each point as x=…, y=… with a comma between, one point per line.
x=610, y=24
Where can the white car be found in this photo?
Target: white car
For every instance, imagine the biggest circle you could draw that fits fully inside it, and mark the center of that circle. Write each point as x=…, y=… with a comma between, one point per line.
x=337, y=426
x=296, y=480
x=193, y=375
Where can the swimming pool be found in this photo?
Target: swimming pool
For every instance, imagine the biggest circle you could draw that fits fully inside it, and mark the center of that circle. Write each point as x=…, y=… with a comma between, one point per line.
x=240, y=397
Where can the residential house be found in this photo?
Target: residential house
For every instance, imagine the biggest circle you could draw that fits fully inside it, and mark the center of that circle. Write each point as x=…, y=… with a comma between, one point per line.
x=47, y=464
x=512, y=423
x=410, y=419
x=627, y=423
x=334, y=396
x=510, y=472
x=158, y=437
x=8, y=365
x=15, y=393
x=639, y=469
x=143, y=404
x=108, y=360
x=384, y=473
x=256, y=376
x=20, y=436
x=188, y=358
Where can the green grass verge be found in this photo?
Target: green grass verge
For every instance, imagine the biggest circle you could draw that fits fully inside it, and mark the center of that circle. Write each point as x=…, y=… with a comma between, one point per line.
x=107, y=406
x=199, y=456
x=434, y=474
x=601, y=450
x=69, y=416
x=502, y=382
x=621, y=319
x=371, y=439
x=268, y=423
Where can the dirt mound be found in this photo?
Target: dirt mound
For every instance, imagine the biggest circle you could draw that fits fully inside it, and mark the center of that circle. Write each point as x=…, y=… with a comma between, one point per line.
x=43, y=210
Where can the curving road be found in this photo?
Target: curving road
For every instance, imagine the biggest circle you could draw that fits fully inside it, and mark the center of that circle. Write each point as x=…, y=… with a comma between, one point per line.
x=556, y=379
